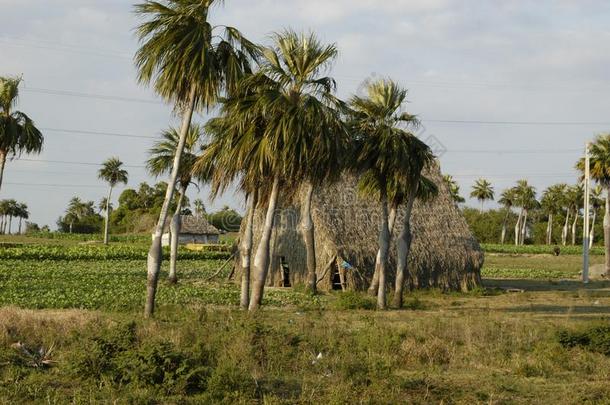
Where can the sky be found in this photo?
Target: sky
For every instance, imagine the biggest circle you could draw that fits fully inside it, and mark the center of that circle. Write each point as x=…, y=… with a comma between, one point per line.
x=505, y=90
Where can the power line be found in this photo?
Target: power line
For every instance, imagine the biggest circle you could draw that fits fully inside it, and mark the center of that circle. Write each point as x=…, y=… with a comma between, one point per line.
x=73, y=163
x=55, y=46
x=97, y=96
x=85, y=132
x=553, y=123
x=54, y=185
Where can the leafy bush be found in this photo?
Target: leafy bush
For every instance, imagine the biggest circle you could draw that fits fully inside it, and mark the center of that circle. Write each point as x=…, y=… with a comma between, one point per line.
x=595, y=339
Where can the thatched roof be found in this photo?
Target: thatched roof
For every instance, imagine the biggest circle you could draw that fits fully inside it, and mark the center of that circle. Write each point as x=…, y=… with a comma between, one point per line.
x=193, y=225
x=444, y=252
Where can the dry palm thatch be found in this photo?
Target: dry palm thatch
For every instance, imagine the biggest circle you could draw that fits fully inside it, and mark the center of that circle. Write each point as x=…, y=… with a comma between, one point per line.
x=444, y=253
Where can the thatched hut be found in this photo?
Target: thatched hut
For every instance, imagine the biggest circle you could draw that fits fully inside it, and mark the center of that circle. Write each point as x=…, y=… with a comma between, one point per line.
x=444, y=252
x=194, y=229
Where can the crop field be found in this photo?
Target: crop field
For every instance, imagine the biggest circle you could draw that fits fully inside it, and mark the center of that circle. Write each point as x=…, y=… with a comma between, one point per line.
x=71, y=331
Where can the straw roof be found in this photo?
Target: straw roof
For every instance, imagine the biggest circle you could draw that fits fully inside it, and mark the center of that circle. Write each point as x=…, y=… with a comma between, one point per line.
x=193, y=225
x=444, y=253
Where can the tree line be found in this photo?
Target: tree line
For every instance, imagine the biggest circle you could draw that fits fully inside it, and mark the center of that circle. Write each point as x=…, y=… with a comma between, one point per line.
x=554, y=217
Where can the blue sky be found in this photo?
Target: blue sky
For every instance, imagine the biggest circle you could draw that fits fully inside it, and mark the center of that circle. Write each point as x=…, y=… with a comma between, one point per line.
x=527, y=64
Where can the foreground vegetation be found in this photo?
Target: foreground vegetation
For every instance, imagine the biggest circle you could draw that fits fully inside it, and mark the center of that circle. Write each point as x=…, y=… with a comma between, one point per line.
x=448, y=348
x=71, y=331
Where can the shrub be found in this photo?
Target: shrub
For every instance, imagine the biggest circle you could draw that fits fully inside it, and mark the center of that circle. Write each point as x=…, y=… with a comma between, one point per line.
x=595, y=339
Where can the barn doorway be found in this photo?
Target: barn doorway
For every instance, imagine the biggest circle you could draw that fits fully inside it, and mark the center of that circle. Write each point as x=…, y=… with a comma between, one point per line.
x=285, y=272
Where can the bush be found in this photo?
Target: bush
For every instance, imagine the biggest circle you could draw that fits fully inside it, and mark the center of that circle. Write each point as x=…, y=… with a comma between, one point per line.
x=595, y=339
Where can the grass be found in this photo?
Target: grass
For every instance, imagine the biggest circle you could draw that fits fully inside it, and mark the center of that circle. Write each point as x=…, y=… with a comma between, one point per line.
x=71, y=331
x=539, y=249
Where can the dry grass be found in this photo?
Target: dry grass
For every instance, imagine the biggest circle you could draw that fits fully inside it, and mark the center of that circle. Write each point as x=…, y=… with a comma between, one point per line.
x=461, y=348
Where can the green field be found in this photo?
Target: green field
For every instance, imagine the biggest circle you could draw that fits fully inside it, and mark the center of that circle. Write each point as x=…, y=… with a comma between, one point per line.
x=548, y=342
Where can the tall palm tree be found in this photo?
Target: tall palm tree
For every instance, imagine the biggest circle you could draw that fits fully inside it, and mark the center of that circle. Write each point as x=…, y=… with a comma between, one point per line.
x=385, y=155
x=600, y=172
x=4, y=210
x=111, y=172
x=482, y=191
x=239, y=152
x=11, y=210
x=454, y=189
x=18, y=133
x=161, y=162
x=507, y=200
x=551, y=203
x=191, y=64
x=302, y=111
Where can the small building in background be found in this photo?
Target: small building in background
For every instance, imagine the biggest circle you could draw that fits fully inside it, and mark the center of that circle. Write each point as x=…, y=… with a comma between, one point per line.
x=196, y=230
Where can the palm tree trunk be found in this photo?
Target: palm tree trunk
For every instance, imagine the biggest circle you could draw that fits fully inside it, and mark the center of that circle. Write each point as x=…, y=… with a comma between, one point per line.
x=403, y=247
x=71, y=225
x=523, y=228
x=549, y=230
x=564, y=232
x=10, y=223
x=607, y=232
x=384, y=248
x=307, y=226
x=504, y=226
x=574, y=226
x=154, y=254
x=518, y=227
x=374, y=287
x=3, y=154
x=592, y=233
x=261, y=259
x=2, y=224
x=174, y=233
x=481, y=210
x=246, y=252
x=107, y=216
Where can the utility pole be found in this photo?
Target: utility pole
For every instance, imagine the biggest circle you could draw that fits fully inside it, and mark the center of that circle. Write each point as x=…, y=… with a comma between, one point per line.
x=585, y=239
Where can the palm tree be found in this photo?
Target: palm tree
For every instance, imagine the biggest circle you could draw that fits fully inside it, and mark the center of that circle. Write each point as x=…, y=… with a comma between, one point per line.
x=112, y=173
x=18, y=134
x=22, y=213
x=600, y=172
x=482, y=191
x=551, y=203
x=4, y=210
x=161, y=161
x=386, y=155
x=575, y=195
x=507, y=200
x=191, y=63
x=454, y=189
x=199, y=208
x=75, y=211
x=104, y=202
x=10, y=209
x=525, y=198
x=303, y=113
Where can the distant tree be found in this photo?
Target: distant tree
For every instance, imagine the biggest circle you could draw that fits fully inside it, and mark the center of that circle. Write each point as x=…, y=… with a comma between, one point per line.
x=199, y=206
x=80, y=217
x=525, y=198
x=111, y=172
x=507, y=200
x=454, y=189
x=22, y=213
x=551, y=203
x=226, y=219
x=18, y=134
x=482, y=191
